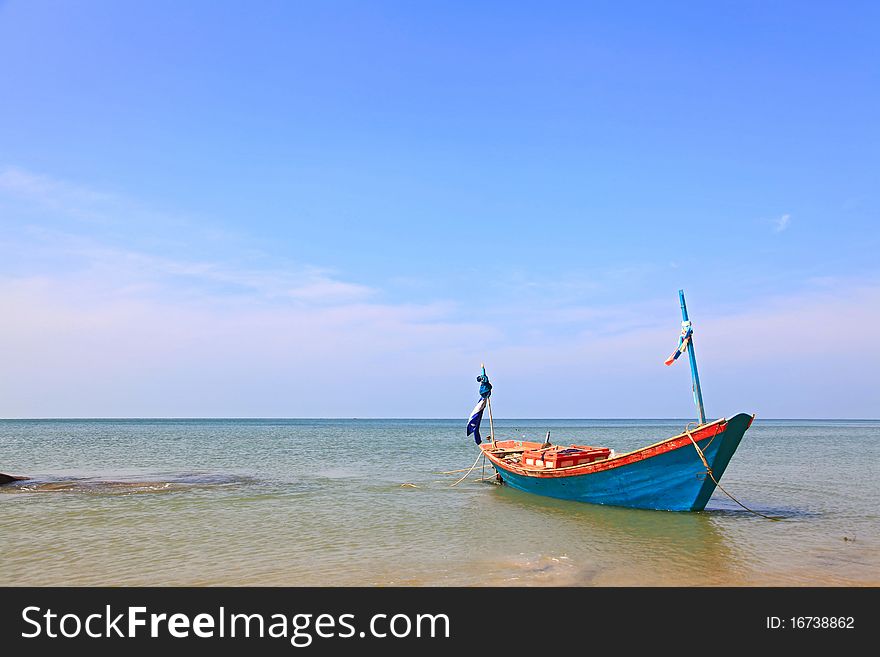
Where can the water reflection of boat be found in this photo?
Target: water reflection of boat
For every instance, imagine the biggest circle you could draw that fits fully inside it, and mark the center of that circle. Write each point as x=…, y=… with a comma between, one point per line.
x=620, y=546
x=606, y=545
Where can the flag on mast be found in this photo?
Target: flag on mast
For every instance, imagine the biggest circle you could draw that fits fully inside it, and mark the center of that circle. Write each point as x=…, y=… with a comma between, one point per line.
x=686, y=332
x=473, y=426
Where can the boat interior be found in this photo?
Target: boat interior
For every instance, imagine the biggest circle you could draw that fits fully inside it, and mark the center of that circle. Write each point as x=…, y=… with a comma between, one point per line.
x=545, y=456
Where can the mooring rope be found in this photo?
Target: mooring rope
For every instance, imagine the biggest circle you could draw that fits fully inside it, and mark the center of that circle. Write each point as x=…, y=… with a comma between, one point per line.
x=449, y=472
x=712, y=475
x=469, y=470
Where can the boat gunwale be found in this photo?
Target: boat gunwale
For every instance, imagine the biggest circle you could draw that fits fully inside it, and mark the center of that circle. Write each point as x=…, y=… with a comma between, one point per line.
x=616, y=461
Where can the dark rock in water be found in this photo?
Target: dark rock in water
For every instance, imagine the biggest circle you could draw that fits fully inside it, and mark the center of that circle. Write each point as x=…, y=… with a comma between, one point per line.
x=91, y=485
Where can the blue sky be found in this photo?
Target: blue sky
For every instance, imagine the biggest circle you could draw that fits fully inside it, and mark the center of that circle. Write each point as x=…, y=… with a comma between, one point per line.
x=341, y=208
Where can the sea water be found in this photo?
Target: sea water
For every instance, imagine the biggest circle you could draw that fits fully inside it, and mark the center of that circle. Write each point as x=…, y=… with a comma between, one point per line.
x=362, y=502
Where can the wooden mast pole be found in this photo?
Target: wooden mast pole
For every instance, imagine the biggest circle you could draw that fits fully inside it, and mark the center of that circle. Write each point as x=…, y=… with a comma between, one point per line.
x=489, y=405
x=698, y=393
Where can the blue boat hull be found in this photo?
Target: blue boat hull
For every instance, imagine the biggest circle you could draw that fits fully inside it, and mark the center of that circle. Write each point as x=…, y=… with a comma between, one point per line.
x=674, y=480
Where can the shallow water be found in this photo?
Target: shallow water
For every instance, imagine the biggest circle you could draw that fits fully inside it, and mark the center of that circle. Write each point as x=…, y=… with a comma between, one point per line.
x=322, y=502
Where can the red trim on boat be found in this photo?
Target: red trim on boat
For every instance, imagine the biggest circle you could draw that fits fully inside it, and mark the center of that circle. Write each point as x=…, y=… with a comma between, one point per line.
x=706, y=432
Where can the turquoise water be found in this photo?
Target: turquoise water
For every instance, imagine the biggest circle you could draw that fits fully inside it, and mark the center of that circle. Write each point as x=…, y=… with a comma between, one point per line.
x=322, y=502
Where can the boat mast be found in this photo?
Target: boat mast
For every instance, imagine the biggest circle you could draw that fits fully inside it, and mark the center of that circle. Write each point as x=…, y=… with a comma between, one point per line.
x=698, y=394
x=489, y=405
x=491, y=422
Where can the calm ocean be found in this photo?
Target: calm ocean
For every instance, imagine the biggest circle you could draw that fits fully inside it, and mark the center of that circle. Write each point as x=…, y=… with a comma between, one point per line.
x=321, y=502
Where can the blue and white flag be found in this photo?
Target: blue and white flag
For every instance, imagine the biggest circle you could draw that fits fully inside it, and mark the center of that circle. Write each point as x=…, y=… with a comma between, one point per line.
x=686, y=332
x=473, y=426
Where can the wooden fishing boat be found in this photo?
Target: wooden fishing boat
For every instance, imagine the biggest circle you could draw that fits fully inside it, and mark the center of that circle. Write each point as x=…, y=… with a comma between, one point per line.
x=667, y=475
x=676, y=474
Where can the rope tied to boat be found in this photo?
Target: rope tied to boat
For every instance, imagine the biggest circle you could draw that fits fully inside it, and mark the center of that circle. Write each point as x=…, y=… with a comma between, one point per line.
x=712, y=475
x=469, y=470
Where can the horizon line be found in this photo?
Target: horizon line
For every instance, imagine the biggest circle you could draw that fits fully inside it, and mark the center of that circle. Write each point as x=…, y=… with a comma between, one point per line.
x=83, y=418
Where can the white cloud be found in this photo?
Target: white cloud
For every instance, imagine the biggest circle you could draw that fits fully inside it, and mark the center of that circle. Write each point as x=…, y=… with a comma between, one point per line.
x=781, y=223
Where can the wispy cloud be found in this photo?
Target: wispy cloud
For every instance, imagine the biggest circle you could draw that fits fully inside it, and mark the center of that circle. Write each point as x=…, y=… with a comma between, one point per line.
x=114, y=268
x=124, y=241
x=306, y=284
x=781, y=223
x=49, y=201
x=70, y=199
